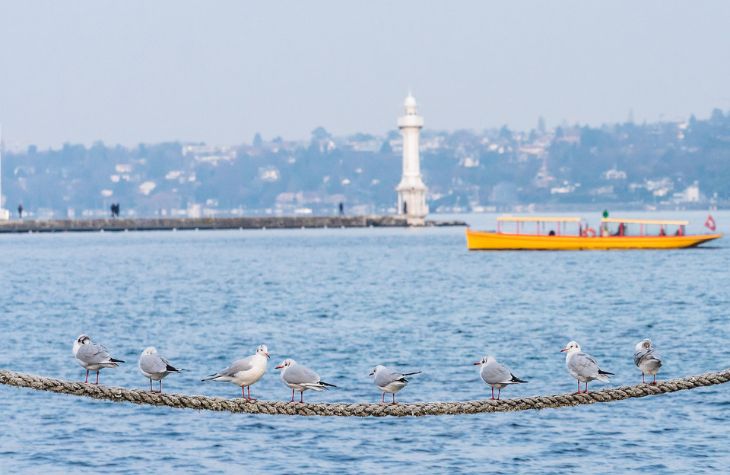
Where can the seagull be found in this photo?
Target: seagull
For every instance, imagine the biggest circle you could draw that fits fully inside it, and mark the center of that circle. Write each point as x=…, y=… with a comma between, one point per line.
x=301, y=378
x=244, y=372
x=389, y=381
x=496, y=374
x=92, y=356
x=647, y=359
x=583, y=366
x=154, y=366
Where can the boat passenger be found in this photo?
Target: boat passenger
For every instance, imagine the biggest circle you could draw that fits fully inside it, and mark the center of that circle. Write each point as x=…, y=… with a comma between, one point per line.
x=551, y=233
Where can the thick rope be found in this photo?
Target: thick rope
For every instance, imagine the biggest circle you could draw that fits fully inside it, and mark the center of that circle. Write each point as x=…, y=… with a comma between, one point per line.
x=181, y=401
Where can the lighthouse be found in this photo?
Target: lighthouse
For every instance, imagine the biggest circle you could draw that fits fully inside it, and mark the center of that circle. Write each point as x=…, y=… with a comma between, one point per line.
x=411, y=190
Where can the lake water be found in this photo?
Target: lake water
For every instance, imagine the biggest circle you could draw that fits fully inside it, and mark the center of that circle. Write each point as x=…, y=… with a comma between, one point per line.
x=342, y=301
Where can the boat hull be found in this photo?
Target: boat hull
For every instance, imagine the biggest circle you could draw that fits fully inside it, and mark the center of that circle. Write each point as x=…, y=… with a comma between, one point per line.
x=492, y=241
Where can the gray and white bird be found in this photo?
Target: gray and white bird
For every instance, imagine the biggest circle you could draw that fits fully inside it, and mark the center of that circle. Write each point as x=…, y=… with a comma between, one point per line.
x=496, y=374
x=92, y=356
x=300, y=378
x=389, y=381
x=647, y=359
x=155, y=367
x=583, y=366
x=244, y=372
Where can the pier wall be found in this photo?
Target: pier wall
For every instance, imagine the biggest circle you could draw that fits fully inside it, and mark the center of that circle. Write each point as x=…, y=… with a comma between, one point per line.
x=162, y=224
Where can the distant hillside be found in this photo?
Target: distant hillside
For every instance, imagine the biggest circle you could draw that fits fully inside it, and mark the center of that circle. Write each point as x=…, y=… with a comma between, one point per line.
x=659, y=164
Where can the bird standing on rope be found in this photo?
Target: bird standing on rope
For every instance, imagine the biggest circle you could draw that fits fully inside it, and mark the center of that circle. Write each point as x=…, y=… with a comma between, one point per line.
x=583, y=366
x=244, y=372
x=496, y=374
x=92, y=356
x=647, y=359
x=301, y=378
x=389, y=381
x=154, y=366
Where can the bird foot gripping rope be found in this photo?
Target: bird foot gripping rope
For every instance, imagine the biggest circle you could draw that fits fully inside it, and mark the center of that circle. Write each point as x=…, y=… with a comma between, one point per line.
x=181, y=401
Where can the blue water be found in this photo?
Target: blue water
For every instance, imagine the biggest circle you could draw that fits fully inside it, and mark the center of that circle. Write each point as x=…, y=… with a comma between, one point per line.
x=342, y=301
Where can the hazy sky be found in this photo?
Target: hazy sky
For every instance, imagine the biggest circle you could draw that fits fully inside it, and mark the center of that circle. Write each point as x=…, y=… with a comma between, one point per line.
x=148, y=71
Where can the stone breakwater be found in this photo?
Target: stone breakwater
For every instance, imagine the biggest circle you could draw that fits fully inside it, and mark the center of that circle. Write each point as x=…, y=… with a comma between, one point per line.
x=170, y=224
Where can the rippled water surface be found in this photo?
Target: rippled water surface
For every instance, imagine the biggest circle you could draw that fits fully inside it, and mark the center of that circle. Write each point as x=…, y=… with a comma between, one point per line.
x=341, y=301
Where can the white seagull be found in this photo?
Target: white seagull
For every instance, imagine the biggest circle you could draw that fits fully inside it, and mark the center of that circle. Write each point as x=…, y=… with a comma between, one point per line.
x=244, y=372
x=154, y=366
x=300, y=378
x=583, y=366
x=92, y=356
x=647, y=359
x=389, y=381
x=496, y=374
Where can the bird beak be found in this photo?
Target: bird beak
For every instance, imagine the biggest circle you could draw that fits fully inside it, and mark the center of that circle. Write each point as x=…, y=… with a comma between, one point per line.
x=372, y=373
x=477, y=363
x=267, y=356
x=563, y=350
x=278, y=367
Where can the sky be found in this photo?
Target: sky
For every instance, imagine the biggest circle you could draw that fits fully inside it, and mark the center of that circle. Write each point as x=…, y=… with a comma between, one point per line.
x=218, y=72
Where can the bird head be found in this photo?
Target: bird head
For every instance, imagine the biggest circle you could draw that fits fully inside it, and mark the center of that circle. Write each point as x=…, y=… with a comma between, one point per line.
x=376, y=369
x=263, y=351
x=150, y=350
x=643, y=345
x=83, y=339
x=570, y=347
x=482, y=361
x=286, y=363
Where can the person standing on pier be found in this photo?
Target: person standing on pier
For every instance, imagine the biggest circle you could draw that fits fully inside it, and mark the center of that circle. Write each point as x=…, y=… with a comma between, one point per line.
x=20, y=211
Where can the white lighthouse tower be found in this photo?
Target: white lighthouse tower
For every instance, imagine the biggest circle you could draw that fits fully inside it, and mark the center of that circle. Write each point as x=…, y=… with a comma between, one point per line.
x=411, y=190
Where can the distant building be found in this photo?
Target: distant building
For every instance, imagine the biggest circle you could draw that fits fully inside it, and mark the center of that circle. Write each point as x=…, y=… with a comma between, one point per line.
x=4, y=214
x=411, y=189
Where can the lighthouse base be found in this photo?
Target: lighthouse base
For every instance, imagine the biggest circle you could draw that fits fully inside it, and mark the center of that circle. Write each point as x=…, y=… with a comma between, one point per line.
x=412, y=204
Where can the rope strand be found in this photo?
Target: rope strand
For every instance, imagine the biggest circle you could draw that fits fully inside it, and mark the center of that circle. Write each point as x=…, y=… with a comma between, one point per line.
x=181, y=401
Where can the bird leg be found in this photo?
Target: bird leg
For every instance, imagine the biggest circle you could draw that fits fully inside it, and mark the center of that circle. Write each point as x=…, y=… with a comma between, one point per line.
x=249, y=394
x=87, y=376
x=382, y=400
x=243, y=392
x=97, y=376
x=586, y=391
x=499, y=393
x=654, y=382
x=579, y=391
x=642, y=379
x=301, y=397
x=150, y=384
x=492, y=393
x=394, y=399
x=160, y=385
x=292, y=395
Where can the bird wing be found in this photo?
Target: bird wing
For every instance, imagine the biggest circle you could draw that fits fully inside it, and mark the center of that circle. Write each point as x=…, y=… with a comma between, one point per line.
x=496, y=373
x=152, y=364
x=298, y=374
x=584, y=364
x=168, y=366
x=92, y=353
x=238, y=366
x=646, y=355
x=387, y=376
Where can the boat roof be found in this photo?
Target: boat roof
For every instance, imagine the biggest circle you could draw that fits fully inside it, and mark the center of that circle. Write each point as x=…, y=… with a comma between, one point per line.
x=672, y=222
x=540, y=219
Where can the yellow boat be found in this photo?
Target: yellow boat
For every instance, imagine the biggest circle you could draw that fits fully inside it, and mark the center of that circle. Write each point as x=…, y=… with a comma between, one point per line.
x=546, y=233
